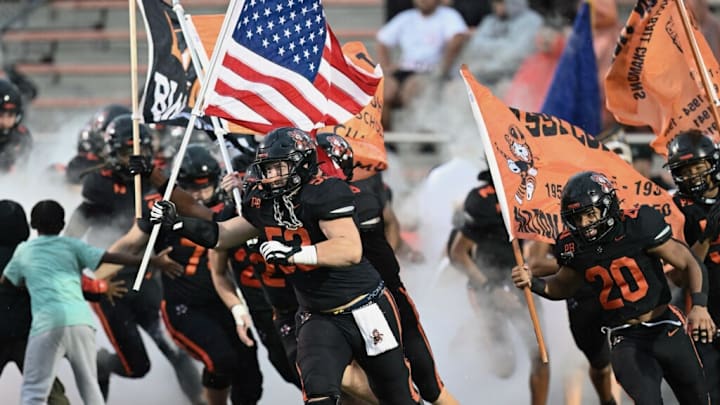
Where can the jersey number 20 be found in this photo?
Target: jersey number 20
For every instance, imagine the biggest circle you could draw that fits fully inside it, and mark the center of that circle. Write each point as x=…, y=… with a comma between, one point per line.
x=614, y=277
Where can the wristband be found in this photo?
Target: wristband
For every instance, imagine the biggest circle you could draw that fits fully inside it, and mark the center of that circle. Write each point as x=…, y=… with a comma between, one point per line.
x=306, y=255
x=238, y=311
x=699, y=299
x=537, y=285
x=94, y=286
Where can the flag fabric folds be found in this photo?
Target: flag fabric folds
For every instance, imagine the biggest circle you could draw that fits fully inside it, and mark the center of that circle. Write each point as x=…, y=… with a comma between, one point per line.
x=283, y=66
x=532, y=155
x=364, y=131
x=654, y=79
x=574, y=93
x=170, y=74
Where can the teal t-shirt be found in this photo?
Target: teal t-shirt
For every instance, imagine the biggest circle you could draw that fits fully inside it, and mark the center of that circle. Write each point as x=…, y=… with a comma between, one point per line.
x=51, y=267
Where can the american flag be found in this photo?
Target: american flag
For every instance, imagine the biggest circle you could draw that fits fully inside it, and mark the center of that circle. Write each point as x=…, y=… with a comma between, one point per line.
x=284, y=67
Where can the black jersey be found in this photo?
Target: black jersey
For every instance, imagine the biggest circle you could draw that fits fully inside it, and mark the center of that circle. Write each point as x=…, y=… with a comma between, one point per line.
x=370, y=200
x=625, y=278
x=483, y=224
x=316, y=288
x=251, y=271
x=695, y=220
x=14, y=147
x=195, y=287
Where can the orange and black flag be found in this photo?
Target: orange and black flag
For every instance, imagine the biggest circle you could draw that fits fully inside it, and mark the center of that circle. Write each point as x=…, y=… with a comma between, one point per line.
x=654, y=79
x=532, y=155
x=364, y=132
x=170, y=74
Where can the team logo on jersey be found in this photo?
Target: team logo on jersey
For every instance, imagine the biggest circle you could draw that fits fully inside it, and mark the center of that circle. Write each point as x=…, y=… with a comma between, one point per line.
x=377, y=337
x=255, y=202
x=520, y=161
x=605, y=184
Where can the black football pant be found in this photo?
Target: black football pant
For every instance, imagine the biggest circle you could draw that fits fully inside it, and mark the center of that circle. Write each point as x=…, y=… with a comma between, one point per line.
x=209, y=334
x=262, y=316
x=121, y=321
x=584, y=319
x=642, y=355
x=327, y=343
x=417, y=347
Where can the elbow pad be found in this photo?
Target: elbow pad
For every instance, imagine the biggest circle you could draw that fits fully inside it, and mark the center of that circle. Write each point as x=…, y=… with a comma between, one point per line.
x=204, y=233
x=93, y=289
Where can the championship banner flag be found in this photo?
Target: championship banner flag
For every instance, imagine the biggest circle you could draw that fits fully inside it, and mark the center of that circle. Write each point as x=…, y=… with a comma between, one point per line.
x=532, y=155
x=654, y=79
x=574, y=93
x=170, y=75
x=364, y=131
x=283, y=66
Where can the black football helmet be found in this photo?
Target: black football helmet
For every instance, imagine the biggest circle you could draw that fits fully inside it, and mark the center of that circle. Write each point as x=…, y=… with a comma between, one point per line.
x=583, y=192
x=90, y=142
x=200, y=170
x=688, y=148
x=119, y=142
x=91, y=138
x=10, y=101
x=290, y=145
x=339, y=151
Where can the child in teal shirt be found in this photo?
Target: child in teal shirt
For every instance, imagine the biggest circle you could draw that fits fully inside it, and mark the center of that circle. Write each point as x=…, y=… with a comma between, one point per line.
x=50, y=266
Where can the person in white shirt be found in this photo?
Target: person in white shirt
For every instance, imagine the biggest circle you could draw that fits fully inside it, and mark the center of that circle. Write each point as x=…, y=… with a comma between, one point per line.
x=428, y=37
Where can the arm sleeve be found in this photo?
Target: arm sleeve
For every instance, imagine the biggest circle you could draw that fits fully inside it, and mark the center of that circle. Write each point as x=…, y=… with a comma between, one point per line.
x=88, y=256
x=13, y=271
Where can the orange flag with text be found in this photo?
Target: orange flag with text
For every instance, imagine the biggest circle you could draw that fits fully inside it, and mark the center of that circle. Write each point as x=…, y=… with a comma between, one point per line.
x=364, y=132
x=532, y=155
x=654, y=79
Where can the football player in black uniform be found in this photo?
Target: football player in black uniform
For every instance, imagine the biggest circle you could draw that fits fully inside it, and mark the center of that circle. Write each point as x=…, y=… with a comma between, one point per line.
x=308, y=228
x=371, y=205
x=15, y=139
x=194, y=313
x=480, y=248
x=91, y=143
x=107, y=213
x=619, y=253
x=263, y=291
x=694, y=162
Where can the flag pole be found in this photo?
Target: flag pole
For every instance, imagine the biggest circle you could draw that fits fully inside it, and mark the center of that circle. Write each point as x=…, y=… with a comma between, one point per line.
x=199, y=59
x=230, y=15
x=132, y=11
x=495, y=172
x=711, y=94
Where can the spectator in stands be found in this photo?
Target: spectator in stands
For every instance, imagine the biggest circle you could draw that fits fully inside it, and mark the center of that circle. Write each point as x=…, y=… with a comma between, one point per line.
x=428, y=37
x=502, y=41
x=709, y=24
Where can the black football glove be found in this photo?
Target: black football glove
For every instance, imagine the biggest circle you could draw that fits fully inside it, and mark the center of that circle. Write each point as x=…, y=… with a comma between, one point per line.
x=164, y=212
x=276, y=252
x=712, y=226
x=142, y=165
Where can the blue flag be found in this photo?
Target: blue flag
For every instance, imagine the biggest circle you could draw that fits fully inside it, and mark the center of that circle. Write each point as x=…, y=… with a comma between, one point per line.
x=574, y=93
